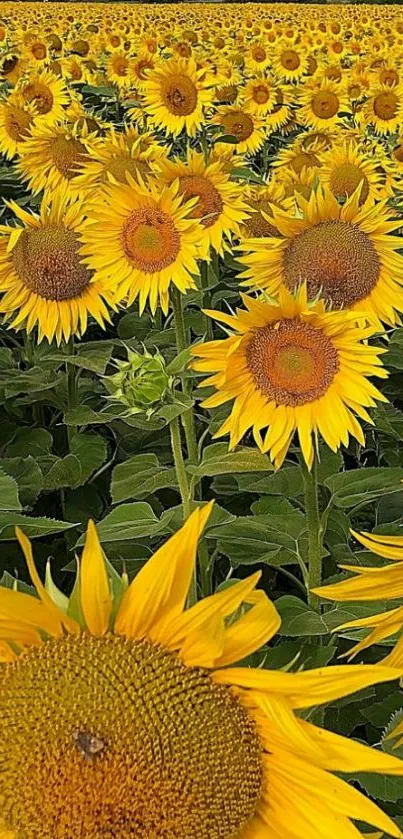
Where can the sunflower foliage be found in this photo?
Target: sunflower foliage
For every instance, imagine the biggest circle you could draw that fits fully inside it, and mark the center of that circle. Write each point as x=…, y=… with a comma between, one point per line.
x=201, y=293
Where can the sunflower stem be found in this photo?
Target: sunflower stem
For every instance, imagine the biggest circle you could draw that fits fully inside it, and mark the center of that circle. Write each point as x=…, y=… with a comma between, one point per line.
x=176, y=445
x=182, y=342
x=71, y=388
x=206, y=301
x=314, y=532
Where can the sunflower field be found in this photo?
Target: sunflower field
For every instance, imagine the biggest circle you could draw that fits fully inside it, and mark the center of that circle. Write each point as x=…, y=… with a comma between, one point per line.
x=201, y=421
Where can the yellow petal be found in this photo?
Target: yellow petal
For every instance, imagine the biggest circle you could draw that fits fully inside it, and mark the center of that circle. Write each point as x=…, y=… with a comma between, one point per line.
x=160, y=589
x=312, y=687
x=96, y=600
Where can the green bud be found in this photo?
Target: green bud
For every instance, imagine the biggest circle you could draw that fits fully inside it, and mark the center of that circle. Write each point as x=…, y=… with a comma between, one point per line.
x=141, y=383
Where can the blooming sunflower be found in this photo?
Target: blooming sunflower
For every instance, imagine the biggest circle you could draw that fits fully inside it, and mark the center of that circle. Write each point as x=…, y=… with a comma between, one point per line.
x=47, y=93
x=43, y=281
x=220, y=206
x=385, y=108
x=290, y=63
x=291, y=367
x=52, y=155
x=175, y=96
x=114, y=156
x=246, y=127
x=16, y=119
x=344, y=169
x=345, y=253
x=143, y=240
x=260, y=95
x=321, y=104
x=373, y=583
x=144, y=728
x=118, y=69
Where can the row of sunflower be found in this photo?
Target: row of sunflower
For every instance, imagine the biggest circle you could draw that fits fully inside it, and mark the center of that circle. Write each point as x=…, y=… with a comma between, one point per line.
x=200, y=239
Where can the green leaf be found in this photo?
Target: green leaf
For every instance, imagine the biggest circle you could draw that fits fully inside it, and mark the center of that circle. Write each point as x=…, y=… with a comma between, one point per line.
x=28, y=475
x=252, y=539
x=91, y=452
x=360, y=486
x=85, y=415
x=128, y=521
x=381, y=787
x=30, y=441
x=32, y=527
x=140, y=476
x=179, y=363
x=9, y=499
x=63, y=473
x=134, y=326
x=93, y=356
x=217, y=460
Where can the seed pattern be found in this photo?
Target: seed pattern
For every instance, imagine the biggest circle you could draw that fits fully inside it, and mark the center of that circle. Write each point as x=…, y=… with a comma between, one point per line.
x=150, y=239
x=123, y=741
x=334, y=258
x=292, y=363
x=47, y=261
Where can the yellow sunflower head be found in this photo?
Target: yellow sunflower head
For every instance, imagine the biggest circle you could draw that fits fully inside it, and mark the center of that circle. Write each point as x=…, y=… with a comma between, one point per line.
x=52, y=155
x=344, y=169
x=47, y=94
x=143, y=727
x=16, y=120
x=143, y=239
x=289, y=367
x=219, y=207
x=43, y=280
x=175, y=96
x=384, y=108
x=345, y=253
x=245, y=127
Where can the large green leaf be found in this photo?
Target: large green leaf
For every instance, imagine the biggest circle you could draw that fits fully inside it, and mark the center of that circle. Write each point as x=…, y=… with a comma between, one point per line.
x=32, y=526
x=28, y=474
x=217, y=460
x=128, y=521
x=140, y=476
x=360, y=486
x=272, y=539
x=9, y=499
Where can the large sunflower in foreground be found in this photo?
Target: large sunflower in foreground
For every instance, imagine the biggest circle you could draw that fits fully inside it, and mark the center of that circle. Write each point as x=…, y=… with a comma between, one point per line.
x=344, y=253
x=175, y=95
x=126, y=701
x=143, y=240
x=43, y=280
x=291, y=367
x=373, y=584
x=219, y=206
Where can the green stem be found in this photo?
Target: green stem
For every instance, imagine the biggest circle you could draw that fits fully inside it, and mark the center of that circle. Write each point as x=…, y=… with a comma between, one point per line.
x=182, y=342
x=71, y=388
x=179, y=462
x=206, y=299
x=314, y=533
x=181, y=475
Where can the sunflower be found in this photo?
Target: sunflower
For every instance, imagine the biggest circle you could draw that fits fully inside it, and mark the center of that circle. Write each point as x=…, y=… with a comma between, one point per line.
x=175, y=96
x=16, y=119
x=12, y=68
x=290, y=63
x=47, y=94
x=259, y=201
x=345, y=253
x=145, y=729
x=281, y=111
x=374, y=584
x=385, y=108
x=36, y=51
x=321, y=104
x=291, y=367
x=119, y=71
x=117, y=154
x=43, y=281
x=257, y=57
x=260, y=95
x=143, y=239
x=246, y=127
x=52, y=155
x=344, y=169
x=220, y=206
